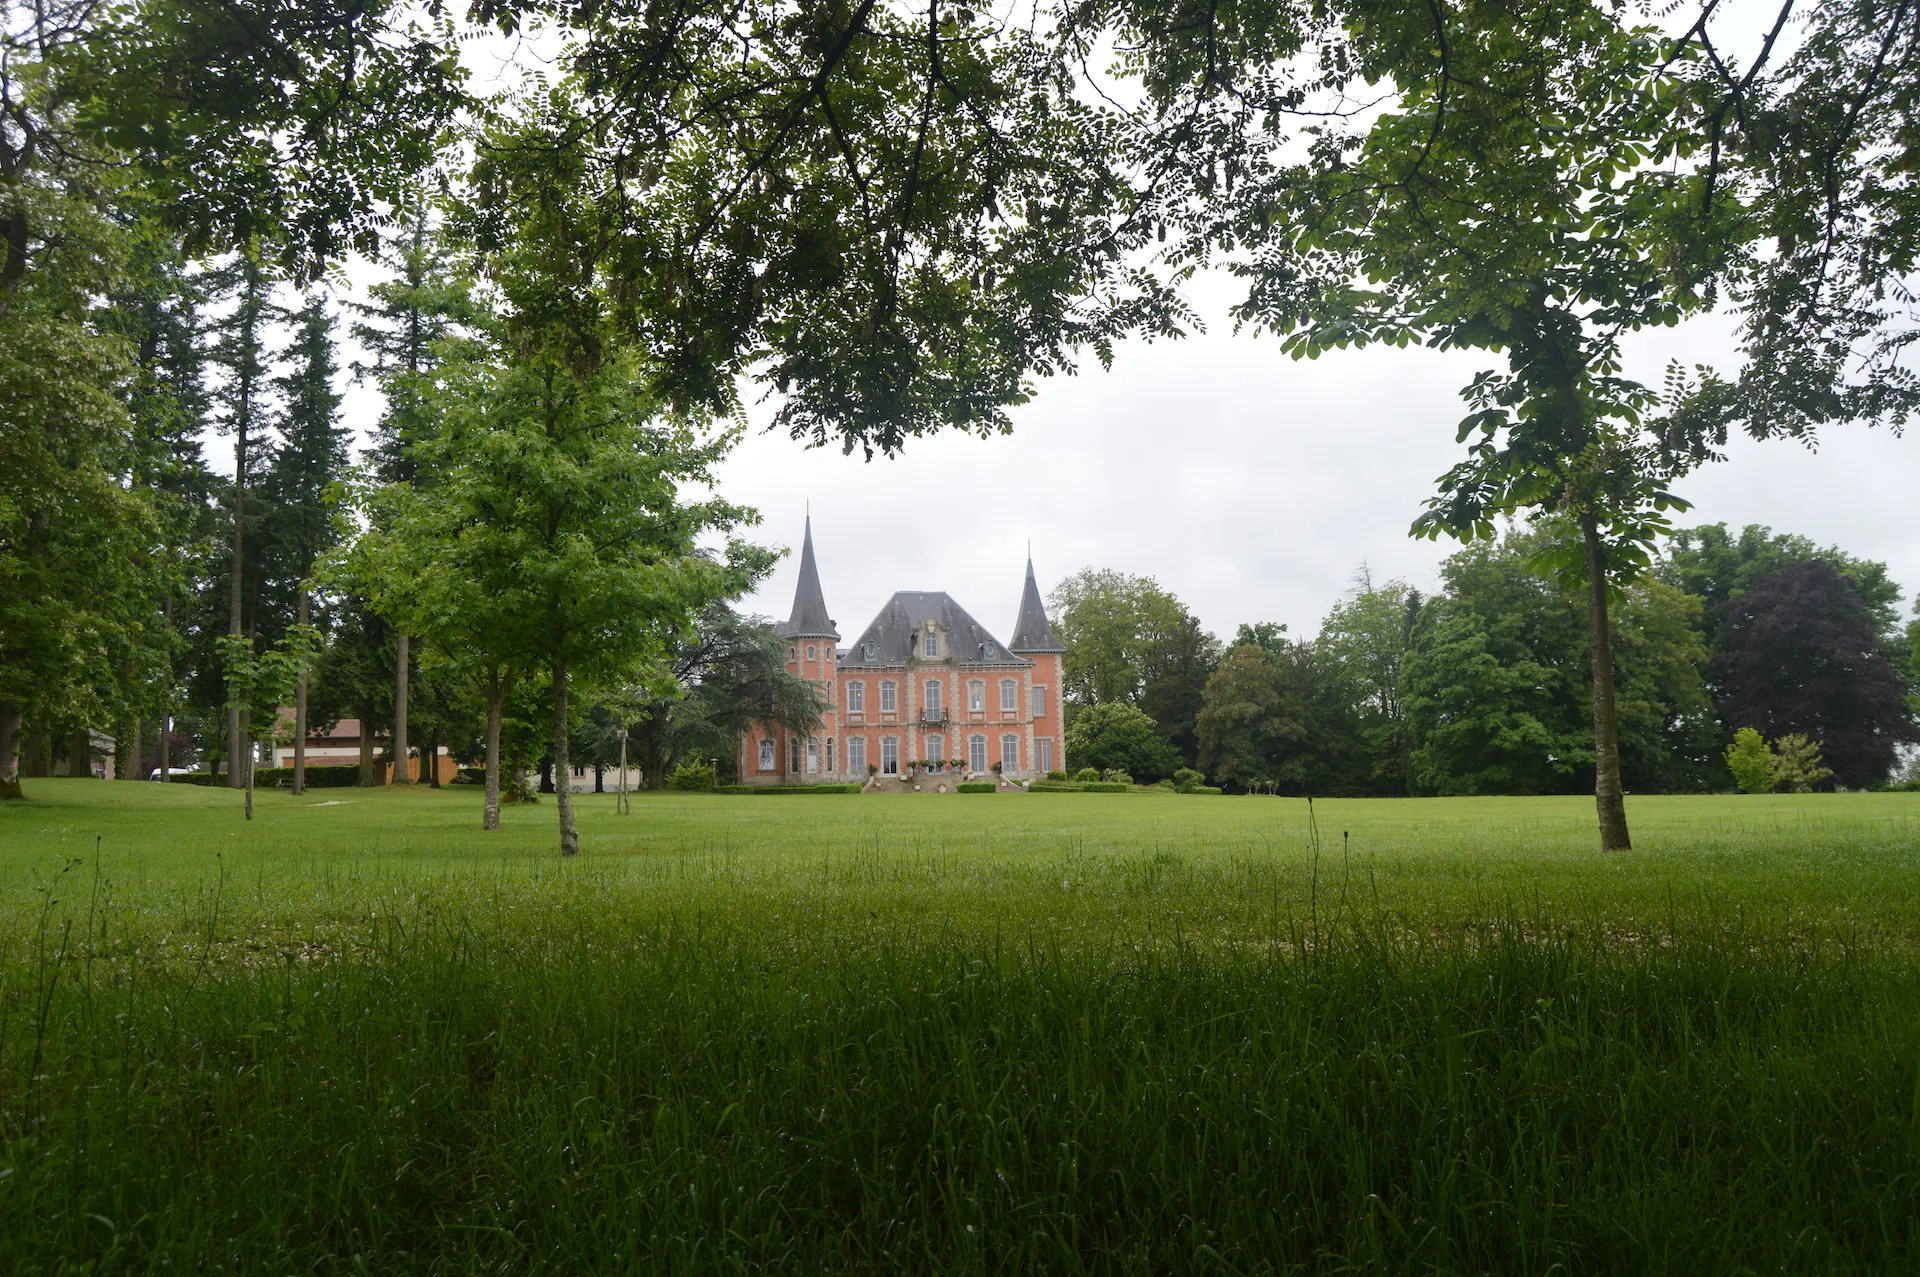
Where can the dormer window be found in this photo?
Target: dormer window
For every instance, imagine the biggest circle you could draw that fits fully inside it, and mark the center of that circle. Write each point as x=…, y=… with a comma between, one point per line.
x=933, y=644
x=866, y=651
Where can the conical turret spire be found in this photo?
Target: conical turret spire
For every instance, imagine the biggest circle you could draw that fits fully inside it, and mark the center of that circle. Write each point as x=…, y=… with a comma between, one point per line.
x=809, y=619
x=1032, y=633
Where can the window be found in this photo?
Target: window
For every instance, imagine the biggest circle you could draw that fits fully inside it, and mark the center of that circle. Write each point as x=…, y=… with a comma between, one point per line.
x=857, y=754
x=856, y=698
x=793, y=755
x=813, y=753
x=829, y=754
x=1044, y=747
x=1037, y=701
x=890, y=756
x=793, y=651
x=932, y=702
x=976, y=696
x=766, y=755
x=813, y=653
x=889, y=696
x=936, y=749
x=976, y=753
x=1009, y=753
x=1009, y=695
x=933, y=643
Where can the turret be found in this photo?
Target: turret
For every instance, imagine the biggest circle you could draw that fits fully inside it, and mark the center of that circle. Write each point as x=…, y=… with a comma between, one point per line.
x=1032, y=633
x=809, y=619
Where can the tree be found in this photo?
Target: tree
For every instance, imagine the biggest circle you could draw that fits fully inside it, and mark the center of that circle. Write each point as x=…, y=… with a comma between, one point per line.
x=1130, y=641
x=299, y=495
x=1714, y=564
x=260, y=679
x=1367, y=636
x=730, y=673
x=1531, y=189
x=1751, y=761
x=244, y=396
x=1496, y=681
x=77, y=575
x=1113, y=735
x=1797, y=764
x=1799, y=653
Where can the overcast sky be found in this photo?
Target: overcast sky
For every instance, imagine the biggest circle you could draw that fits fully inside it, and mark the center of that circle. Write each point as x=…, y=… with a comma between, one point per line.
x=1250, y=485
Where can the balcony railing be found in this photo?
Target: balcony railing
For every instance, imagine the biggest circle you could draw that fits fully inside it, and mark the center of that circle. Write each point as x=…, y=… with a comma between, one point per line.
x=933, y=715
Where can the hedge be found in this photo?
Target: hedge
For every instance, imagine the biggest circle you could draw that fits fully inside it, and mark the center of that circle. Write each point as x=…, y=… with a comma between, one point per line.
x=975, y=787
x=322, y=776
x=1079, y=787
x=791, y=789
x=1202, y=789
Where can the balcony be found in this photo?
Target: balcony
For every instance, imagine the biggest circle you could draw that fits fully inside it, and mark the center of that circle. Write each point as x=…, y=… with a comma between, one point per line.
x=933, y=716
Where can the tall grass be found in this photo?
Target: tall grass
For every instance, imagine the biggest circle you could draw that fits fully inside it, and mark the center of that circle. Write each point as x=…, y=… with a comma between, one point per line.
x=909, y=1054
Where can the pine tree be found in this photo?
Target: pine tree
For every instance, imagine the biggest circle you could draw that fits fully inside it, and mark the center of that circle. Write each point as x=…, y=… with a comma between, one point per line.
x=244, y=399
x=298, y=518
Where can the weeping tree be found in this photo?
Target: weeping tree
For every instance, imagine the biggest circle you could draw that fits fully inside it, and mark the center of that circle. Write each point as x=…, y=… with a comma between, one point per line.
x=730, y=674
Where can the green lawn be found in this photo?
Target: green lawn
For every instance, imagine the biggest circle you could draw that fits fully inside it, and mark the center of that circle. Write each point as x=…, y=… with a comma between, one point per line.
x=1062, y=1033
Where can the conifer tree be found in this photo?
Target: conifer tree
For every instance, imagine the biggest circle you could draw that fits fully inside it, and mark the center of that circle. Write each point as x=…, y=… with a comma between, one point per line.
x=244, y=401
x=298, y=490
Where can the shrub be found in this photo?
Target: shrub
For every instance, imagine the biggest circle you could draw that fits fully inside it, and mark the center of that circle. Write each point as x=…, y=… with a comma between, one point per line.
x=1751, y=762
x=475, y=776
x=1086, y=773
x=1187, y=777
x=326, y=776
x=1117, y=775
x=1056, y=774
x=1797, y=766
x=1056, y=787
x=975, y=787
x=1203, y=789
x=789, y=789
x=1106, y=787
x=691, y=776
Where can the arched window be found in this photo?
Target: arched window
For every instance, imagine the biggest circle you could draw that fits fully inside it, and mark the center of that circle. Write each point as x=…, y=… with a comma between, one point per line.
x=857, y=755
x=766, y=755
x=813, y=753
x=976, y=753
x=890, y=755
x=813, y=653
x=931, y=701
x=1009, y=695
x=936, y=749
x=1009, y=753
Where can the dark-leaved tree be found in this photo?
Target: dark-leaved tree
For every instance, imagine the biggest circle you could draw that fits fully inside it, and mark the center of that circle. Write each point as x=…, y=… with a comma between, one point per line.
x=1800, y=653
x=733, y=673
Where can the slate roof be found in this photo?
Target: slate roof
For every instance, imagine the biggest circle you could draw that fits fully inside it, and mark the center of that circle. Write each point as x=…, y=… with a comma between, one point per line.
x=1032, y=633
x=809, y=619
x=887, y=640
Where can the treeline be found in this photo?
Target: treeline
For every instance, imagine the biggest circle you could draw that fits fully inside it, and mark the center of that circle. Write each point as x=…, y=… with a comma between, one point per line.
x=1484, y=687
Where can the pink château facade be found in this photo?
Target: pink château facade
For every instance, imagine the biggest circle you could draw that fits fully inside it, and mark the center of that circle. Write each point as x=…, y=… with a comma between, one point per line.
x=924, y=681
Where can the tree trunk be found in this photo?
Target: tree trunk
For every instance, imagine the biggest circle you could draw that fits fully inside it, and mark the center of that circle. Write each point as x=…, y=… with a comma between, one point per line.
x=165, y=750
x=10, y=714
x=430, y=754
x=300, y=718
x=1608, y=794
x=496, y=702
x=546, y=775
x=366, y=746
x=401, y=772
x=236, y=739
x=80, y=753
x=128, y=758
x=38, y=763
x=625, y=805
x=562, y=766
x=599, y=778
